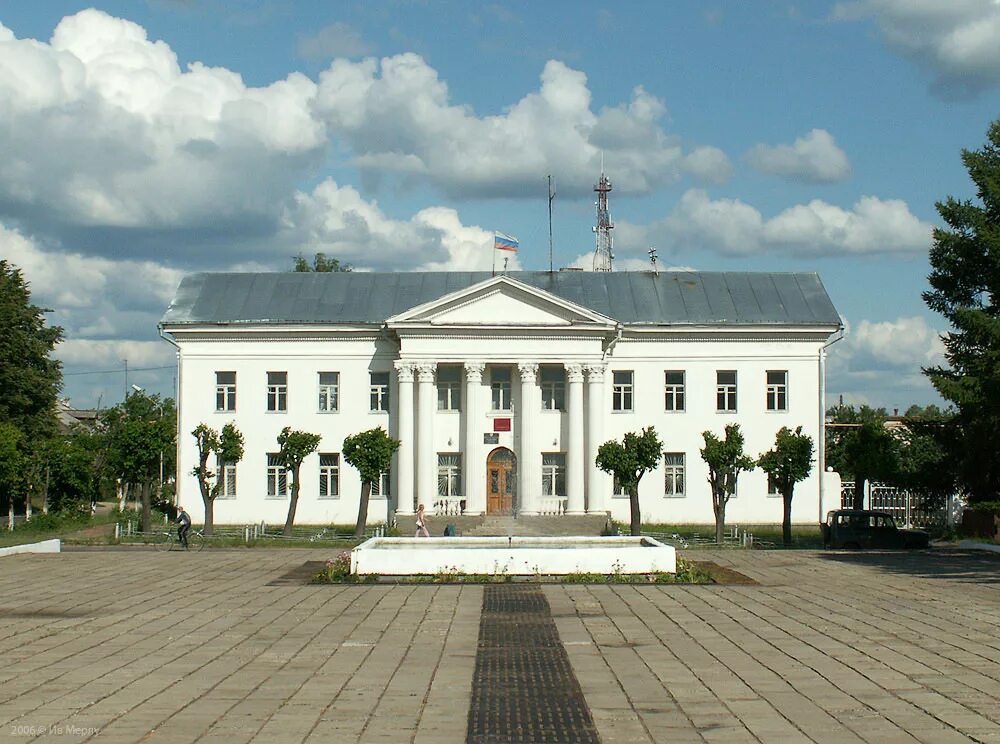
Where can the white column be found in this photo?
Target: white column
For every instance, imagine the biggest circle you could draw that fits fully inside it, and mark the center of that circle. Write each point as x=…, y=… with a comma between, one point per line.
x=474, y=488
x=575, y=455
x=426, y=452
x=595, y=438
x=404, y=428
x=529, y=466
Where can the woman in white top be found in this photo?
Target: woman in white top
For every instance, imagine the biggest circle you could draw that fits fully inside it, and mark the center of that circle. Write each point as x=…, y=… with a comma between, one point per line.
x=421, y=523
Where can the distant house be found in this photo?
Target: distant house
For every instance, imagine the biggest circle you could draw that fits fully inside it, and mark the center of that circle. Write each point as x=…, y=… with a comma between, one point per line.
x=71, y=418
x=500, y=388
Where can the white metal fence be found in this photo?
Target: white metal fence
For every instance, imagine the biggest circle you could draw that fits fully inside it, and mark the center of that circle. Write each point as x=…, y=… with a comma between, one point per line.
x=908, y=509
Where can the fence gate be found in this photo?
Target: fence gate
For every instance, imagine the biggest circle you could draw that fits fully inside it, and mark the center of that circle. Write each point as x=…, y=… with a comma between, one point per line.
x=908, y=509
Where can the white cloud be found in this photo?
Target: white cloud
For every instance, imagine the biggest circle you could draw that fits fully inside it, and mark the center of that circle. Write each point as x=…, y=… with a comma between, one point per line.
x=879, y=363
x=336, y=40
x=956, y=39
x=338, y=221
x=814, y=158
x=733, y=227
x=709, y=165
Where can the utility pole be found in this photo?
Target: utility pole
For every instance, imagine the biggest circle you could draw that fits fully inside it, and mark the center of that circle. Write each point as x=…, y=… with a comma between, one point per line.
x=552, y=195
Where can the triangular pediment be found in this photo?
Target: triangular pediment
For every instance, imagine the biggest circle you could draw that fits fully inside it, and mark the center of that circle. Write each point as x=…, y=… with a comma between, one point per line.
x=501, y=302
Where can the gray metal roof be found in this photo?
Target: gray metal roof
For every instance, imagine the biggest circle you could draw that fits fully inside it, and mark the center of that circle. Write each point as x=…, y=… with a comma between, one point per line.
x=630, y=297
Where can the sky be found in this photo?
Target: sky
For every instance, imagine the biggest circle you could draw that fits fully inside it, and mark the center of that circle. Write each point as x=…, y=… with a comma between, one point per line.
x=146, y=139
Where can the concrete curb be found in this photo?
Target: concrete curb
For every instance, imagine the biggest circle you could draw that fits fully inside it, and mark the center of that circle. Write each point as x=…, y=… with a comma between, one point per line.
x=972, y=544
x=46, y=546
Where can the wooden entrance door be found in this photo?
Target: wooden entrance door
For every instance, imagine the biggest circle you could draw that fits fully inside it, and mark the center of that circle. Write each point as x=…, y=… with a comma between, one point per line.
x=501, y=481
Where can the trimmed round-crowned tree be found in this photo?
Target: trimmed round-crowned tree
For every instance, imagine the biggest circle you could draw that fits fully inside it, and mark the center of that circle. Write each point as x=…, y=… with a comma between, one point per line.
x=370, y=453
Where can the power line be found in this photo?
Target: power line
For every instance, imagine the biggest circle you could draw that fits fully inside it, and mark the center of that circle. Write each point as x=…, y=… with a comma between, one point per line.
x=117, y=371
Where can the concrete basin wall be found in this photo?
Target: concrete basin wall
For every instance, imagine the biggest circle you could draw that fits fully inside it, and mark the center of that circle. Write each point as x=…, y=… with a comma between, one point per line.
x=516, y=556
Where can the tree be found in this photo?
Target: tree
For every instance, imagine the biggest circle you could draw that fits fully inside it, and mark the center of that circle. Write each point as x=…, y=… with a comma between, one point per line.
x=965, y=289
x=11, y=464
x=138, y=432
x=926, y=466
x=788, y=463
x=370, y=453
x=861, y=448
x=321, y=264
x=228, y=450
x=726, y=460
x=628, y=461
x=294, y=447
x=29, y=379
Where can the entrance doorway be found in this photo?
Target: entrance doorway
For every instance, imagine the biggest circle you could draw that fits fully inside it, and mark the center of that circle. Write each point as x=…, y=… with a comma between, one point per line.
x=501, y=481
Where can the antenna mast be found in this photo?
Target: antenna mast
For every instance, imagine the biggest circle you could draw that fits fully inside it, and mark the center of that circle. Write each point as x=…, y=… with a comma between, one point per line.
x=604, y=254
x=552, y=195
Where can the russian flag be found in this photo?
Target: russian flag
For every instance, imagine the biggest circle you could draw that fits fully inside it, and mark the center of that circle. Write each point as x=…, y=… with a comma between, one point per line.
x=503, y=242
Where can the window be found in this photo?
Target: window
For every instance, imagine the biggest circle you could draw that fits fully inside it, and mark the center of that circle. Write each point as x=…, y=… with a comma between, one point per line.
x=553, y=474
x=225, y=391
x=329, y=391
x=449, y=388
x=621, y=391
x=673, y=479
x=277, y=391
x=500, y=388
x=226, y=473
x=379, y=391
x=777, y=390
x=618, y=490
x=772, y=486
x=449, y=475
x=277, y=477
x=553, y=389
x=674, y=387
x=725, y=391
x=380, y=488
x=329, y=475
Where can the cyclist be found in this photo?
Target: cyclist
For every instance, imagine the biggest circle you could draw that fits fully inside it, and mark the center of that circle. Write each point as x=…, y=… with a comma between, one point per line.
x=184, y=522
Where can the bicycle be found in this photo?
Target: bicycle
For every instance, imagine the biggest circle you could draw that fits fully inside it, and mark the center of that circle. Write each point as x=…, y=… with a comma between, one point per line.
x=169, y=541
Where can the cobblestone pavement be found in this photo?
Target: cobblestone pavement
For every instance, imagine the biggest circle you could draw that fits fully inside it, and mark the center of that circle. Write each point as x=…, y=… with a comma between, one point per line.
x=126, y=646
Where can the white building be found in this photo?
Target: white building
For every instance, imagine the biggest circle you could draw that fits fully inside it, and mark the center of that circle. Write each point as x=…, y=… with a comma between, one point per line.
x=501, y=388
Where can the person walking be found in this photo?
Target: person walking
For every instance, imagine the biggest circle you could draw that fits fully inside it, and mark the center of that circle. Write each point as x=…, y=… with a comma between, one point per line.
x=421, y=522
x=184, y=525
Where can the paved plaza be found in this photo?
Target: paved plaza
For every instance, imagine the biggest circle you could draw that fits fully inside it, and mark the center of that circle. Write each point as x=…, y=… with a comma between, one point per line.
x=129, y=645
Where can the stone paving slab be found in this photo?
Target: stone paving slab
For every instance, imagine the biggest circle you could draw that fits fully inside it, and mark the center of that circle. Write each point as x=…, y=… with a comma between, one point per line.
x=129, y=646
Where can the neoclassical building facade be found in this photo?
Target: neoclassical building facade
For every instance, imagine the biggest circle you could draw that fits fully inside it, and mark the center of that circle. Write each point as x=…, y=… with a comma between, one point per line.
x=500, y=389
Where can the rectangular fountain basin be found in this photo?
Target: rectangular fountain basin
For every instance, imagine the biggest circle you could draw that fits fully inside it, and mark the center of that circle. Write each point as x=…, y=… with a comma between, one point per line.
x=515, y=556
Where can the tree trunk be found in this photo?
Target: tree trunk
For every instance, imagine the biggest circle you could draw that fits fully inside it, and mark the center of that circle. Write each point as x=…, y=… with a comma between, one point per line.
x=719, y=507
x=292, y=503
x=636, y=517
x=859, y=492
x=147, y=521
x=359, y=528
x=786, y=518
x=209, y=515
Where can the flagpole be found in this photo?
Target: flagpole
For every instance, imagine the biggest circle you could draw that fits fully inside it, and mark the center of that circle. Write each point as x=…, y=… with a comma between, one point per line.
x=552, y=195
x=494, y=270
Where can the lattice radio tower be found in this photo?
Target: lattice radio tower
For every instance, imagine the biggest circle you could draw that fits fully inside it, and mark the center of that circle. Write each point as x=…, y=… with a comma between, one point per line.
x=605, y=253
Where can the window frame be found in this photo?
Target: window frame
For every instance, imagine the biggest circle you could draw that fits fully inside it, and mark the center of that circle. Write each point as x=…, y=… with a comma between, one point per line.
x=554, y=475
x=381, y=489
x=378, y=392
x=225, y=392
x=329, y=474
x=776, y=392
x=449, y=388
x=726, y=390
x=452, y=472
x=672, y=473
x=276, y=474
x=223, y=471
x=673, y=392
x=501, y=390
x=622, y=392
x=324, y=388
x=277, y=393
x=553, y=388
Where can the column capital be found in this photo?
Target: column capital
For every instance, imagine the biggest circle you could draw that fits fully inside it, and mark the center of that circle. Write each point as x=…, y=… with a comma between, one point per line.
x=474, y=371
x=425, y=371
x=404, y=370
x=595, y=372
x=528, y=370
x=574, y=372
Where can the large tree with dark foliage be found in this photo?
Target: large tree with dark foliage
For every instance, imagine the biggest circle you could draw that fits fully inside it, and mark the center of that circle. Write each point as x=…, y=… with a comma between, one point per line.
x=965, y=289
x=29, y=378
x=860, y=448
x=321, y=264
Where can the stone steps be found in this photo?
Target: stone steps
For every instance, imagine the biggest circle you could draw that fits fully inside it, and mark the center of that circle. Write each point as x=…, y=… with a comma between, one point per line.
x=502, y=526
